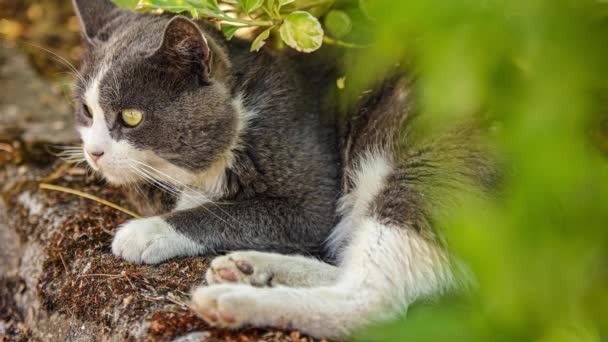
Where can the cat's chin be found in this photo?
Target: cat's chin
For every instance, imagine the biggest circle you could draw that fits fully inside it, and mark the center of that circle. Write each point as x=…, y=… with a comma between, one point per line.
x=118, y=179
x=118, y=182
x=113, y=177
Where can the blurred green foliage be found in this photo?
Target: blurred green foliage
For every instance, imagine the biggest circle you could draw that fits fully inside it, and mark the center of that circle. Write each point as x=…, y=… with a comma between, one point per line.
x=538, y=69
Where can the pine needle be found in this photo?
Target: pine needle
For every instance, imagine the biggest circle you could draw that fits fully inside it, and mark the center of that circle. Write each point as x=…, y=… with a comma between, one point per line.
x=46, y=186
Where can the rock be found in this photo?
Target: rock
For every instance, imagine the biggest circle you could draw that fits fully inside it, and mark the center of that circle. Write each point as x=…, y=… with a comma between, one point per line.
x=31, y=109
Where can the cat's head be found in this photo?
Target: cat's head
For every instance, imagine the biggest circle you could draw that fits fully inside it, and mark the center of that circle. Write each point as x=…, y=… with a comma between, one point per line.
x=149, y=101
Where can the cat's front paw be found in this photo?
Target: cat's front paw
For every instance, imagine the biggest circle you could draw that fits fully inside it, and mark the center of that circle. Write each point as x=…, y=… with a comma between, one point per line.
x=151, y=241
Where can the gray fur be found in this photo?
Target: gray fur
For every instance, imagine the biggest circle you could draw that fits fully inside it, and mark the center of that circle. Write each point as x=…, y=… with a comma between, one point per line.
x=283, y=184
x=388, y=246
x=430, y=168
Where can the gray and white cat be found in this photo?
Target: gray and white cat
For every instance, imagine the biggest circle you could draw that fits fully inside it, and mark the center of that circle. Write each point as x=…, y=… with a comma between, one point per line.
x=388, y=247
x=164, y=101
x=240, y=139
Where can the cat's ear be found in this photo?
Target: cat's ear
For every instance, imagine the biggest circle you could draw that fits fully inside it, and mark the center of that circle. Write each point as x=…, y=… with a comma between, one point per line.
x=185, y=48
x=94, y=15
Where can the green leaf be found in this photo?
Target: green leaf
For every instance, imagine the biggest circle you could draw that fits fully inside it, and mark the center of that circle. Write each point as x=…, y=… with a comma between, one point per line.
x=195, y=7
x=211, y=5
x=174, y=6
x=229, y=30
x=260, y=40
x=126, y=3
x=284, y=2
x=205, y=6
x=302, y=31
x=250, y=5
x=338, y=23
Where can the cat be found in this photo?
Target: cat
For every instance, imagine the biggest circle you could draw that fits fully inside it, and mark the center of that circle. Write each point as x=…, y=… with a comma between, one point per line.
x=389, y=251
x=239, y=142
x=369, y=198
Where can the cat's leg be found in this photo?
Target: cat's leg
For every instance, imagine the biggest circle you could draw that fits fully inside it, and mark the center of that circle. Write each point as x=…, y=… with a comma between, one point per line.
x=152, y=240
x=270, y=269
x=260, y=224
x=385, y=269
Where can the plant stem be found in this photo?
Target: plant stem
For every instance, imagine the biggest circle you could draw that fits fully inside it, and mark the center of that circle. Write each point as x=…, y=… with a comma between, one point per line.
x=88, y=196
x=340, y=43
x=312, y=4
x=261, y=23
x=208, y=14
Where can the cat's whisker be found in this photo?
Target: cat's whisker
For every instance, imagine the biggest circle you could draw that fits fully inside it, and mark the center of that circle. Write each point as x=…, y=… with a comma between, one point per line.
x=170, y=180
x=176, y=182
x=161, y=185
x=168, y=188
x=60, y=59
x=70, y=158
x=155, y=182
x=66, y=147
x=67, y=152
x=181, y=184
x=80, y=162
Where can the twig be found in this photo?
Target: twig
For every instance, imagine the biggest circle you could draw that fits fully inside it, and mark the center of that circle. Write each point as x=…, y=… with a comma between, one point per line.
x=46, y=186
x=63, y=262
x=169, y=297
x=124, y=274
x=58, y=173
x=102, y=275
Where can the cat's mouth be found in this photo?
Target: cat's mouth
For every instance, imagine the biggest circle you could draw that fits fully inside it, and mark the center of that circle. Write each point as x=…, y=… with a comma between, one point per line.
x=92, y=163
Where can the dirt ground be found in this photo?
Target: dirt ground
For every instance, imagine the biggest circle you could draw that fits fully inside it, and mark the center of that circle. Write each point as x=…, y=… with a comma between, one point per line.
x=58, y=278
x=66, y=284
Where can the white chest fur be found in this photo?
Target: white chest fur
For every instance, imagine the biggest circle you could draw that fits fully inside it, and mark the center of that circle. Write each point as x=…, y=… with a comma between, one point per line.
x=189, y=199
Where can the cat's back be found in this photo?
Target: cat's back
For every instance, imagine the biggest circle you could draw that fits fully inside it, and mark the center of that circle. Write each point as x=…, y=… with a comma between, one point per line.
x=291, y=138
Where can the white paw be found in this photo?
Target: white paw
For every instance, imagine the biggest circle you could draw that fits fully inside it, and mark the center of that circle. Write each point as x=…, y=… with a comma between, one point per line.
x=226, y=306
x=151, y=241
x=252, y=268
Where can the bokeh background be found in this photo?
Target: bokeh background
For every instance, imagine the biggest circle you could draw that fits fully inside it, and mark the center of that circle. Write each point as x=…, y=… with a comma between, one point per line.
x=45, y=24
x=538, y=69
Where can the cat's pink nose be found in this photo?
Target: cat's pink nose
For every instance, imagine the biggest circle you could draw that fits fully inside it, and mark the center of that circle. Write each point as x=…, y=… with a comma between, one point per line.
x=95, y=154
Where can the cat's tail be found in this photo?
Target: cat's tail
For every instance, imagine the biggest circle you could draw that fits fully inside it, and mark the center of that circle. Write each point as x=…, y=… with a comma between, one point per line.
x=401, y=174
x=430, y=161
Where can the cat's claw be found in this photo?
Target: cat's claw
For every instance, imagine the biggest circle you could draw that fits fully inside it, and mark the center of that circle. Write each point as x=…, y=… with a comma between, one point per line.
x=151, y=241
x=240, y=267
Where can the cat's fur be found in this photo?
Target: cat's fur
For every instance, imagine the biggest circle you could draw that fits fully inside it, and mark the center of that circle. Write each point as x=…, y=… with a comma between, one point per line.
x=240, y=139
x=388, y=250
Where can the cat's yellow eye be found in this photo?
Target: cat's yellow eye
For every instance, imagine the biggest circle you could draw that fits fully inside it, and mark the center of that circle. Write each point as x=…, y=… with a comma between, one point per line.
x=131, y=117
